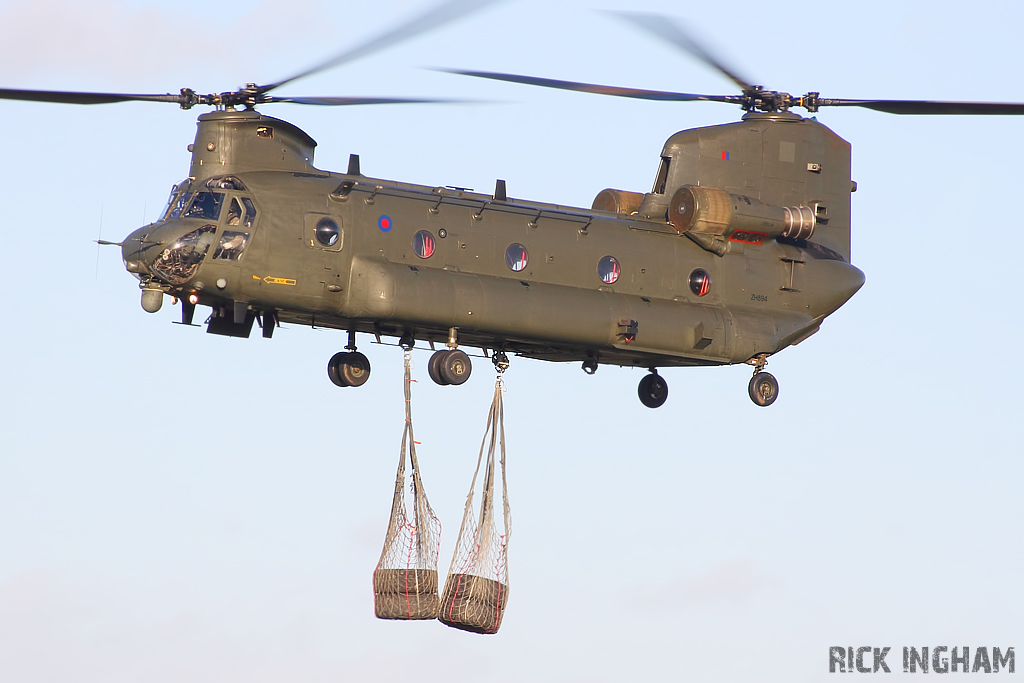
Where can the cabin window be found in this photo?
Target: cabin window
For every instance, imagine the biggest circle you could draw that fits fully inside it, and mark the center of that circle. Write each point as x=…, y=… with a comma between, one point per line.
x=423, y=244
x=231, y=245
x=608, y=270
x=206, y=205
x=327, y=232
x=516, y=257
x=662, y=179
x=700, y=282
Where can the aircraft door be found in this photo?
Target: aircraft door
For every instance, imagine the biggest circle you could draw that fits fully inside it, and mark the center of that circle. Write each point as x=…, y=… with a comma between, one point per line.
x=236, y=248
x=324, y=237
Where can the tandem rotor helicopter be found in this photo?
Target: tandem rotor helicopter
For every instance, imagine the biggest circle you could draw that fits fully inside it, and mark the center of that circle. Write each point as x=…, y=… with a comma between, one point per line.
x=740, y=249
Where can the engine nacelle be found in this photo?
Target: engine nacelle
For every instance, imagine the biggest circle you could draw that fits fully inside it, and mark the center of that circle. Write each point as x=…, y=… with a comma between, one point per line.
x=618, y=201
x=708, y=212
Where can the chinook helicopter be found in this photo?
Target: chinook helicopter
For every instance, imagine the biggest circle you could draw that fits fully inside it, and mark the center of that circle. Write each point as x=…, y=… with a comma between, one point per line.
x=741, y=248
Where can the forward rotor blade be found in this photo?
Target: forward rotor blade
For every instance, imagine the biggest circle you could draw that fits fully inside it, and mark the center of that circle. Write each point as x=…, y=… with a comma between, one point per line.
x=432, y=19
x=664, y=28
x=65, y=97
x=345, y=101
x=598, y=89
x=925, y=107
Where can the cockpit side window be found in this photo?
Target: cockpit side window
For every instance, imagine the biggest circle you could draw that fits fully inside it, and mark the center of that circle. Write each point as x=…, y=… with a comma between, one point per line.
x=234, y=212
x=241, y=211
x=231, y=245
x=250, y=212
x=206, y=205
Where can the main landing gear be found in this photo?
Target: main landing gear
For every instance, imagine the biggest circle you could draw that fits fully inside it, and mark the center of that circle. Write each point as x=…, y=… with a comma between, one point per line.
x=349, y=368
x=653, y=390
x=450, y=366
x=763, y=387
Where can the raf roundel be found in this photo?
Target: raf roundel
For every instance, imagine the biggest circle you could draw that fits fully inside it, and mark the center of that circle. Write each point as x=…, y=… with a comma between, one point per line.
x=384, y=223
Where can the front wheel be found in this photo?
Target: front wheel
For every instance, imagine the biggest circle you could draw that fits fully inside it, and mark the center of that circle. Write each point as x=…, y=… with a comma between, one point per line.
x=763, y=389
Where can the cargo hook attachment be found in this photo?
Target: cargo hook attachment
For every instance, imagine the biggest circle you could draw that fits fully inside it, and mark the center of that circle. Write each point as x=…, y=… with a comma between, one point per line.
x=500, y=361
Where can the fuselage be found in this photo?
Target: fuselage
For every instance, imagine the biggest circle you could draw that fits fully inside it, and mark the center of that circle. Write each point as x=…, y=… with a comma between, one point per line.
x=265, y=232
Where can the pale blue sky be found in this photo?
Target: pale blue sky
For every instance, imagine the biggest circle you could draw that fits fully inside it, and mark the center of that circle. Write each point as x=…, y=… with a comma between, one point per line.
x=177, y=506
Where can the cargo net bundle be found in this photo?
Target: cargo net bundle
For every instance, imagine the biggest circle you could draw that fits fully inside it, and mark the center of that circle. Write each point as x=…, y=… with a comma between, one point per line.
x=476, y=591
x=405, y=580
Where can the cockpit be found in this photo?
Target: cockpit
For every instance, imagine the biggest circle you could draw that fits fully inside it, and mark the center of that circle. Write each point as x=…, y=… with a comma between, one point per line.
x=211, y=201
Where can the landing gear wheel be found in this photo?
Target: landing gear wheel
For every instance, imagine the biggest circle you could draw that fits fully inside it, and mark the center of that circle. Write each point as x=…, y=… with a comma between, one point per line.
x=763, y=389
x=355, y=369
x=333, y=366
x=434, y=368
x=653, y=390
x=455, y=367
x=348, y=369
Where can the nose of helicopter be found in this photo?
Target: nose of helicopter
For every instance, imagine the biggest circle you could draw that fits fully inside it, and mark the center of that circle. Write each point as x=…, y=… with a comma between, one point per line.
x=134, y=249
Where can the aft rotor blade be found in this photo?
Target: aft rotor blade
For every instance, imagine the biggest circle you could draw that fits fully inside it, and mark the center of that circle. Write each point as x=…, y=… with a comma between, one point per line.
x=66, y=97
x=666, y=29
x=636, y=93
x=432, y=19
x=932, y=107
x=345, y=101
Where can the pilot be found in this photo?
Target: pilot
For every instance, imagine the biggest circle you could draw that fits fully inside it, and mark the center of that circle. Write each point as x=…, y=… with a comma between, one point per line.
x=231, y=249
x=234, y=213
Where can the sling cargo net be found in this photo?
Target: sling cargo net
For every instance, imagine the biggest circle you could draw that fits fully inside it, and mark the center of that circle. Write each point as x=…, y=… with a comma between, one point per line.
x=405, y=580
x=476, y=591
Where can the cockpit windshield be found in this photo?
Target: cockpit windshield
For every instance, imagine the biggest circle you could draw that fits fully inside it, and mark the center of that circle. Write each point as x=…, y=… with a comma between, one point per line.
x=206, y=205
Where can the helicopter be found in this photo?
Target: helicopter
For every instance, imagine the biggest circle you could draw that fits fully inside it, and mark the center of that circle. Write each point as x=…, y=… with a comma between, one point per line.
x=740, y=249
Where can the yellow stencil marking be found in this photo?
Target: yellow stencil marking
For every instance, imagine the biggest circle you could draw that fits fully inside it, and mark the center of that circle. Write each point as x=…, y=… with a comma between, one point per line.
x=278, y=281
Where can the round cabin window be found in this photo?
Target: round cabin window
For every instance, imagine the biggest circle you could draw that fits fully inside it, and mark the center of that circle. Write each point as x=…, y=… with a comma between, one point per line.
x=423, y=244
x=516, y=257
x=700, y=282
x=327, y=232
x=608, y=270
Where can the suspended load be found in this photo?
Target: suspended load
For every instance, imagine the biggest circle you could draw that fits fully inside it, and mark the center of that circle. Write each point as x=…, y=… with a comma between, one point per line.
x=405, y=580
x=476, y=591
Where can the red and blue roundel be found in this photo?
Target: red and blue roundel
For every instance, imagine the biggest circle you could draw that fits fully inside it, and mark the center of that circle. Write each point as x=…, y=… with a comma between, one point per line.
x=384, y=223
